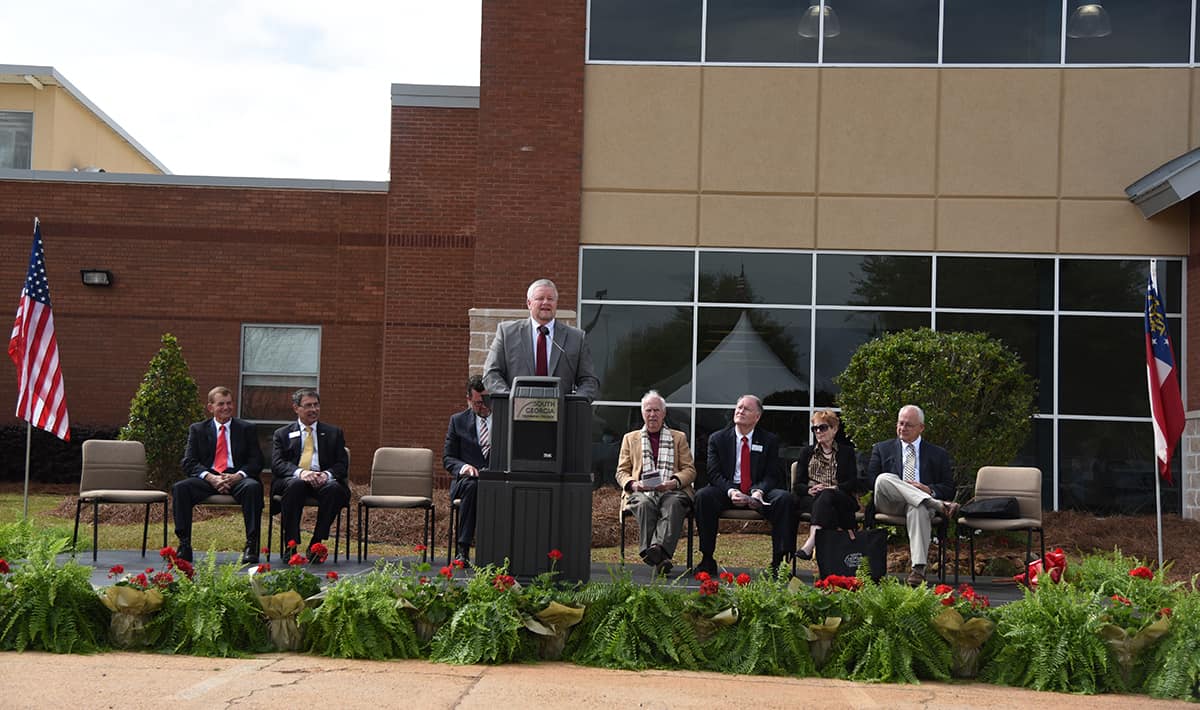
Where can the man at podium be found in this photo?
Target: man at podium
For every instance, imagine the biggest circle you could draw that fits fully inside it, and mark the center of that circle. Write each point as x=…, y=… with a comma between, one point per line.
x=540, y=346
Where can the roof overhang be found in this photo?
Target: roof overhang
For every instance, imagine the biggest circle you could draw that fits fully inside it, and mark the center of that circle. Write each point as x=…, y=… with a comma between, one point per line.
x=1166, y=185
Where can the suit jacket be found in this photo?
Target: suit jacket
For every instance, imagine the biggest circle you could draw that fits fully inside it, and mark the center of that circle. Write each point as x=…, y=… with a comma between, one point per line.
x=847, y=469
x=629, y=465
x=462, y=444
x=202, y=448
x=568, y=358
x=766, y=470
x=933, y=468
x=331, y=451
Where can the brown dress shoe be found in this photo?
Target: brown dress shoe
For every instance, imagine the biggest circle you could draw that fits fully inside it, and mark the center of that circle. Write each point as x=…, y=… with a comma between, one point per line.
x=917, y=577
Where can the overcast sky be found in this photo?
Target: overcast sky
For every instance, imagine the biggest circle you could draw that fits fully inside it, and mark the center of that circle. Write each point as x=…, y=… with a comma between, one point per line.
x=258, y=88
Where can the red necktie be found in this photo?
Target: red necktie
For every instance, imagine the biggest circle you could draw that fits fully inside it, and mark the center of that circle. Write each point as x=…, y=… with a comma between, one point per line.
x=745, y=465
x=221, y=460
x=542, y=369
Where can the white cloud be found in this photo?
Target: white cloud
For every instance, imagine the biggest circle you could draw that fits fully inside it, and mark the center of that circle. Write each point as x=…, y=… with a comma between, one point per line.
x=252, y=87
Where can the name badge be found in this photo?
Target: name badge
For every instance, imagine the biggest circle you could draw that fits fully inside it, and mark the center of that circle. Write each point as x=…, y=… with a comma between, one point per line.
x=293, y=434
x=756, y=448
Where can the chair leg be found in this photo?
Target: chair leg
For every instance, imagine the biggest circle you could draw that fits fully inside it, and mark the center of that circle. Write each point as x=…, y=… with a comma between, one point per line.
x=75, y=537
x=691, y=518
x=1029, y=547
x=1042, y=539
x=95, y=532
x=957, y=548
x=432, y=528
x=366, y=532
x=621, y=515
x=146, y=530
x=337, y=536
x=164, y=523
x=360, y=533
x=972, y=543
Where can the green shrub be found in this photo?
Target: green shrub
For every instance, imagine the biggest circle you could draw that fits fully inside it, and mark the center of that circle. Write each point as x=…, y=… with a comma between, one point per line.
x=50, y=607
x=1175, y=664
x=214, y=613
x=489, y=627
x=359, y=618
x=888, y=635
x=770, y=635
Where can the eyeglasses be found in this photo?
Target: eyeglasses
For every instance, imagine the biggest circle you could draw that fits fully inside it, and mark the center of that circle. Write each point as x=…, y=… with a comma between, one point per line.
x=818, y=428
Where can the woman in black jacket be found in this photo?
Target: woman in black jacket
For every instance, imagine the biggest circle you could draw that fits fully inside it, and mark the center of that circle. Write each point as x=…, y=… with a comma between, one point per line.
x=826, y=473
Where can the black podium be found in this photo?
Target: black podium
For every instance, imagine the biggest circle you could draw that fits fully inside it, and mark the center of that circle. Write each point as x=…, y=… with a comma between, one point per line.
x=536, y=494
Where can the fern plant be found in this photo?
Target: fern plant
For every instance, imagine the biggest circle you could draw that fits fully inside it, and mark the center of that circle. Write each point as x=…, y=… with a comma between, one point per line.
x=633, y=627
x=1049, y=640
x=50, y=607
x=215, y=613
x=770, y=636
x=360, y=618
x=488, y=627
x=1176, y=662
x=889, y=636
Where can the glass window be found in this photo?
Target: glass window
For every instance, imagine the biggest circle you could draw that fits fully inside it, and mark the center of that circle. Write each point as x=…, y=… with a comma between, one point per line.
x=1017, y=31
x=869, y=280
x=1102, y=365
x=276, y=361
x=637, y=348
x=637, y=275
x=747, y=277
x=885, y=32
x=840, y=333
x=1116, y=284
x=1108, y=467
x=981, y=282
x=757, y=351
x=637, y=30
x=1031, y=337
x=757, y=31
x=1126, y=31
x=16, y=139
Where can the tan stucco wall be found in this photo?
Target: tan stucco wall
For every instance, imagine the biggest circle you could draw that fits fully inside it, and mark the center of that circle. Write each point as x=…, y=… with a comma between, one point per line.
x=67, y=136
x=953, y=159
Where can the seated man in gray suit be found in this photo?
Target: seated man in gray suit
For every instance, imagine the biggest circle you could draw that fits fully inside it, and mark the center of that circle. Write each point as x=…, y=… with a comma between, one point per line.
x=913, y=478
x=540, y=346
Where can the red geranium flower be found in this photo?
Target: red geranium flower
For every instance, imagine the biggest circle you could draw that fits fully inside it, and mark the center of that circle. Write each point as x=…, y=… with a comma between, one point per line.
x=1123, y=600
x=319, y=550
x=726, y=577
x=446, y=572
x=942, y=589
x=149, y=570
x=709, y=586
x=167, y=553
x=297, y=559
x=115, y=570
x=3, y=566
x=555, y=554
x=503, y=582
x=743, y=579
x=703, y=576
x=948, y=600
x=141, y=580
x=291, y=543
x=331, y=576
x=1165, y=611
x=163, y=579
x=265, y=550
x=419, y=548
x=1141, y=573
x=423, y=580
x=459, y=564
x=184, y=566
x=264, y=567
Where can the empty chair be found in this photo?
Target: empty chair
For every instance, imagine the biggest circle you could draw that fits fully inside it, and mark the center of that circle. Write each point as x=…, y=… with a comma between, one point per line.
x=1021, y=482
x=401, y=479
x=115, y=472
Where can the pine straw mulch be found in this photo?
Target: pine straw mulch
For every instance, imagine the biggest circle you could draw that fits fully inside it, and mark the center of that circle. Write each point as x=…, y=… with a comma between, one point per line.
x=998, y=555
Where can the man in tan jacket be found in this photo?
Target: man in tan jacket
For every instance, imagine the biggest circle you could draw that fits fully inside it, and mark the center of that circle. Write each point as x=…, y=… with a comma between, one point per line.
x=656, y=473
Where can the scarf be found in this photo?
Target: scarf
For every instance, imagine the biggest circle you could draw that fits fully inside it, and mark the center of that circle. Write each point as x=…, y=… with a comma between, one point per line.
x=666, y=454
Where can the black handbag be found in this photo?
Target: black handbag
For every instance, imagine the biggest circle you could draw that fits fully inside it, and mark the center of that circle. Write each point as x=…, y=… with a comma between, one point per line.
x=840, y=552
x=1005, y=508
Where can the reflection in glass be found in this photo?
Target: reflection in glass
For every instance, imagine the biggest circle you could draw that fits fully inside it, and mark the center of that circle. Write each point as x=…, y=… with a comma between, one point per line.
x=637, y=275
x=874, y=31
x=1031, y=337
x=840, y=333
x=760, y=351
x=1016, y=31
x=741, y=277
x=1102, y=365
x=1108, y=467
x=636, y=30
x=1141, y=31
x=1116, y=284
x=871, y=280
x=756, y=31
x=637, y=348
x=982, y=282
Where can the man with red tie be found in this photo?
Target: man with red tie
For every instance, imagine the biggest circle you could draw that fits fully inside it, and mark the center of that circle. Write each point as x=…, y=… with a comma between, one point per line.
x=222, y=456
x=540, y=345
x=744, y=471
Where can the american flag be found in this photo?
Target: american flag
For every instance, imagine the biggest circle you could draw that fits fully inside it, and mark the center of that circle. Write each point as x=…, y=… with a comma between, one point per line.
x=1166, y=405
x=41, y=397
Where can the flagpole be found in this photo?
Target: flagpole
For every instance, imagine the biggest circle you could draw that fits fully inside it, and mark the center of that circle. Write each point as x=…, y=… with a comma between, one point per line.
x=1155, y=468
x=28, y=446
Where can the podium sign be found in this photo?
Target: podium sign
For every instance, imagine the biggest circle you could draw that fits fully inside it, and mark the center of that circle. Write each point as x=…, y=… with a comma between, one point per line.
x=535, y=432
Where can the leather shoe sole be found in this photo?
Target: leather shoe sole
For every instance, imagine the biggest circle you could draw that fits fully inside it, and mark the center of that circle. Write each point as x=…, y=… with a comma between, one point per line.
x=915, y=579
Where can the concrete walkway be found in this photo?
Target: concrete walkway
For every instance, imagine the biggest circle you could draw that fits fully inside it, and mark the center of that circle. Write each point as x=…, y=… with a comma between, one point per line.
x=275, y=681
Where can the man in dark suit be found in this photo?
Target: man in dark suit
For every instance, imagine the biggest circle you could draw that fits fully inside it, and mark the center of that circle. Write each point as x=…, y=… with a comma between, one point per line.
x=744, y=471
x=222, y=456
x=308, y=458
x=913, y=478
x=540, y=346
x=465, y=454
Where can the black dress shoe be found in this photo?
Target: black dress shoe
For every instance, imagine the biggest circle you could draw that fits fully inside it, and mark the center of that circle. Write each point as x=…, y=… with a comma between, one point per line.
x=803, y=555
x=654, y=555
x=184, y=552
x=250, y=555
x=708, y=565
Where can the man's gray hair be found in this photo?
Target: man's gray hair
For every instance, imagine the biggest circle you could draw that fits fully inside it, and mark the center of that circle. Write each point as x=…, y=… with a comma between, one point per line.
x=299, y=395
x=538, y=284
x=653, y=394
x=757, y=402
x=920, y=412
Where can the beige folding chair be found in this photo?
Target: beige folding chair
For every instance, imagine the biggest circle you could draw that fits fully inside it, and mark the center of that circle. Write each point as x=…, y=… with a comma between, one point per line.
x=276, y=508
x=115, y=472
x=401, y=479
x=1021, y=482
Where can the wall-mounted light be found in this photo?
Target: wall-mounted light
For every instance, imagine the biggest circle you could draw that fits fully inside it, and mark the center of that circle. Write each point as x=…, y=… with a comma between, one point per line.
x=96, y=277
x=1089, y=21
x=813, y=19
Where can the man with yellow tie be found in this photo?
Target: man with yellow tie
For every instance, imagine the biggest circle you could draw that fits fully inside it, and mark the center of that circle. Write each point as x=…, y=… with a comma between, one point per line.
x=308, y=458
